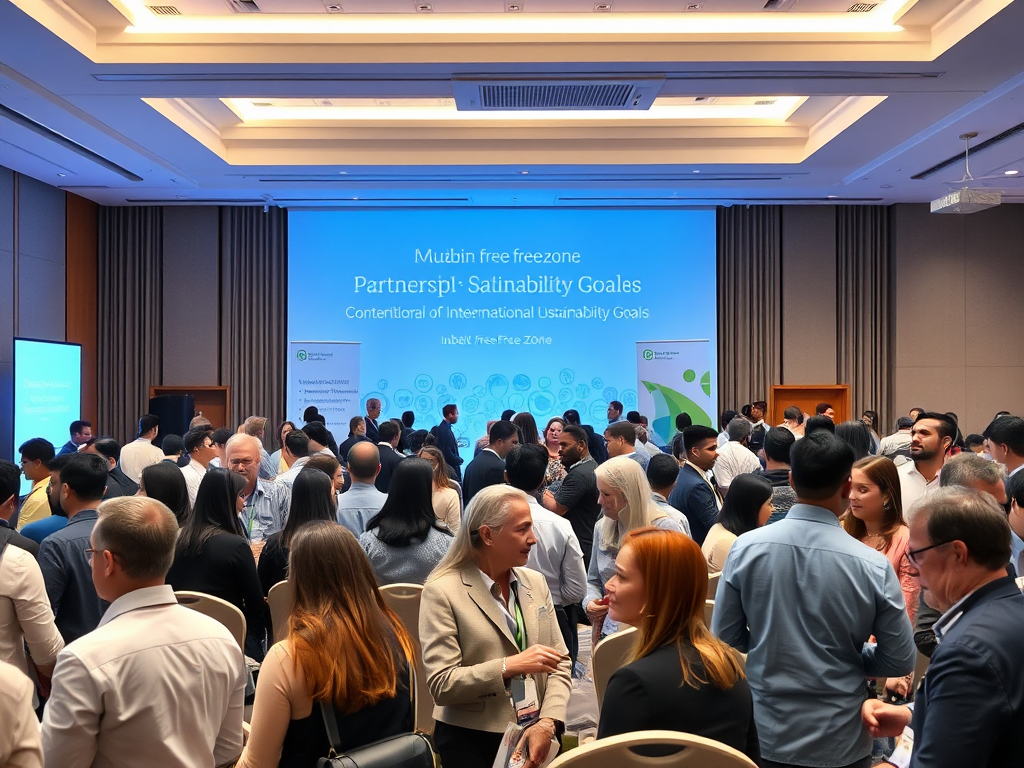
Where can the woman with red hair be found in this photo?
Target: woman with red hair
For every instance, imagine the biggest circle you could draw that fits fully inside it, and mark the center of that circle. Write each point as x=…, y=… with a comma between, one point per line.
x=680, y=677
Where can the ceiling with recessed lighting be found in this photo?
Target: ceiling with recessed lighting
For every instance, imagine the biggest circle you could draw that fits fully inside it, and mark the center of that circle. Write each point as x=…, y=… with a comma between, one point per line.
x=565, y=102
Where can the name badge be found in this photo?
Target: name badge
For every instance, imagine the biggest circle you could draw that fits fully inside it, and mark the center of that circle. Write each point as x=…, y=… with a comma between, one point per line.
x=900, y=756
x=524, y=699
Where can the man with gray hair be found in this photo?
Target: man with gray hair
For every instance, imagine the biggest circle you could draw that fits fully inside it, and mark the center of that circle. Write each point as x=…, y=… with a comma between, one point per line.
x=970, y=710
x=966, y=470
x=256, y=426
x=155, y=683
x=266, y=502
x=735, y=458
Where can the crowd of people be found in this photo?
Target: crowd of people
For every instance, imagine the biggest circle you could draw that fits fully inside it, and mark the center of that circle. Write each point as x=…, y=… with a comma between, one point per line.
x=840, y=554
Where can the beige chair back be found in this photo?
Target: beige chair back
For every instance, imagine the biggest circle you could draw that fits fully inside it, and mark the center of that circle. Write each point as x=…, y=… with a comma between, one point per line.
x=280, y=599
x=694, y=752
x=709, y=612
x=713, y=580
x=609, y=655
x=404, y=600
x=221, y=610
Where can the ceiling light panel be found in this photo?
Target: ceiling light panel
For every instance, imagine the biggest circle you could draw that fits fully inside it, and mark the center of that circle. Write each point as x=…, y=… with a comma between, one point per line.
x=774, y=108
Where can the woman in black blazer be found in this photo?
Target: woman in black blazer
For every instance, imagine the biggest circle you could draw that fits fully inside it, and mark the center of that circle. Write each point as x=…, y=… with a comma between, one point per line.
x=213, y=555
x=681, y=677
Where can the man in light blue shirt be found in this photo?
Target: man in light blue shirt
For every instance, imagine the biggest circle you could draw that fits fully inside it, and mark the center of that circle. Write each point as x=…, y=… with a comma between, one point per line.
x=801, y=598
x=266, y=502
x=362, y=501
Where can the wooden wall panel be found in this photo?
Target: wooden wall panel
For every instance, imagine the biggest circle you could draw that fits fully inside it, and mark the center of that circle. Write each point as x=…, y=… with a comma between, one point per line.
x=82, y=298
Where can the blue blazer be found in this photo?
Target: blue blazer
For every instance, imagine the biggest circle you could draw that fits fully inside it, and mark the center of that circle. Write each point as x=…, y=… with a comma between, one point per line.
x=695, y=499
x=970, y=710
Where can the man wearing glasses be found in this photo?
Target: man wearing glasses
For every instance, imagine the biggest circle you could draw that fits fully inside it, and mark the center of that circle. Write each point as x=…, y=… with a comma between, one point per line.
x=970, y=709
x=266, y=502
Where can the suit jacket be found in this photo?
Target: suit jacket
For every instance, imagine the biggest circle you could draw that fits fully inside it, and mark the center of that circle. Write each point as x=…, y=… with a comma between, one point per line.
x=464, y=637
x=970, y=709
x=389, y=459
x=371, y=430
x=449, y=446
x=695, y=499
x=487, y=468
x=119, y=484
x=346, y=446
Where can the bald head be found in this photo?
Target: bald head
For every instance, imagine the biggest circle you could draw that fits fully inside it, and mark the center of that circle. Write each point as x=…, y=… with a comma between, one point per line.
x=363, y=462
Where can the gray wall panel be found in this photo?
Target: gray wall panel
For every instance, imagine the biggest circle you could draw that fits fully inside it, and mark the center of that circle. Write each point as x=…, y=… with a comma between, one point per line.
x=42, y=220
x=191, y=296
x=41, y=305
x=808, y=295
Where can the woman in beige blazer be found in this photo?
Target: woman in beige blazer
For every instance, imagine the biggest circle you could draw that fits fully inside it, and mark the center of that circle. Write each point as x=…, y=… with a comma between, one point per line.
x=484, y=620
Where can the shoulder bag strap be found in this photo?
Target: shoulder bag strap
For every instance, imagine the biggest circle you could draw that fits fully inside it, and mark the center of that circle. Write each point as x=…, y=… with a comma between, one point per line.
x=331, y=722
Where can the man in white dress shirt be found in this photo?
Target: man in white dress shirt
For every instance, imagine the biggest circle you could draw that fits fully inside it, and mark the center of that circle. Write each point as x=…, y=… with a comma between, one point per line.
x=295, y=452
x=557, y=554
x=931, y=437
x=735, y=458
x=141, y=453
x=155, y=684
x=199, y=447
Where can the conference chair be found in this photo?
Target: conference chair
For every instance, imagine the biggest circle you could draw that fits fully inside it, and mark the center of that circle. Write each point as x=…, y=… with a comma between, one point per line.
x=713, y=580
x=221, y=610
x=609, y=655
x=694, y=752
x=280, y=599
x=404, y=600
x=709, y=612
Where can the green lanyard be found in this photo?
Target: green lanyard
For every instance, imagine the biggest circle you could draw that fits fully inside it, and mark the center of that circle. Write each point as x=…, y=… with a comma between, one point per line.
x=520, y=626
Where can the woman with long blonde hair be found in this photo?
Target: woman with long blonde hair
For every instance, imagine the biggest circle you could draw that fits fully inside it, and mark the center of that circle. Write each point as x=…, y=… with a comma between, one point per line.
x=680, y=677
x=626, y=500
x=345, y=648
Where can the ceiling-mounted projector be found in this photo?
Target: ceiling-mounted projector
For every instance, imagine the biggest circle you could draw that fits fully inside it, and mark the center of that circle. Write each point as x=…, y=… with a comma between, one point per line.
x=967, y=200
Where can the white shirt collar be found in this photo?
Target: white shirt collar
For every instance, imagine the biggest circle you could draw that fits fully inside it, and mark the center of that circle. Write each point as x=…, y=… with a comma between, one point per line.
x=488, y=448
x=146, y=597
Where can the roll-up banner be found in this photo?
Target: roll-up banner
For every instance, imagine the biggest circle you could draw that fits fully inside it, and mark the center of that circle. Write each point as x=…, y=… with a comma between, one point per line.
x=674, y=377
x=325, y=374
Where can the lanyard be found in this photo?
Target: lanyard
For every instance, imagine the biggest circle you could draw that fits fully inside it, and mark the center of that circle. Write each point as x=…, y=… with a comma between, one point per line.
x=520, y=626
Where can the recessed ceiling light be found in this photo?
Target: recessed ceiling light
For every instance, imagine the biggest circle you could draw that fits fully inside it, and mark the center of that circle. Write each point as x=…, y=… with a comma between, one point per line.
x=887, y=186
x=695, y=171
x=1010, y=173
x=524, y=172
x=424, y=7
x=62, y=175
x=602, y=6
x=343, y=173
x=513, y=7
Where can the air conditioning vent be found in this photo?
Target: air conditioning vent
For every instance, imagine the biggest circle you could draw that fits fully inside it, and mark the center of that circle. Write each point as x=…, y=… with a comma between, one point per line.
x=861, y=7
x=764, y=103
x=528, y=95
x=243, y=6
x=164, y=10
x=779, y=5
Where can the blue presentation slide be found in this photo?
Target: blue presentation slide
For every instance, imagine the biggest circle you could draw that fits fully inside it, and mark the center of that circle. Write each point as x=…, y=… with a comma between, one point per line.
x=47, y=392
x=536, y=310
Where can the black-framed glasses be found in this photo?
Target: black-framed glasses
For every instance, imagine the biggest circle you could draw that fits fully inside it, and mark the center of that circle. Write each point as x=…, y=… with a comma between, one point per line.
x=89, y=552
x=913, y=553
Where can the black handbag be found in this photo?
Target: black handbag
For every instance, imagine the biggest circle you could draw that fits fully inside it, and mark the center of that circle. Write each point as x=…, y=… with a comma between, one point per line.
x=406, y=750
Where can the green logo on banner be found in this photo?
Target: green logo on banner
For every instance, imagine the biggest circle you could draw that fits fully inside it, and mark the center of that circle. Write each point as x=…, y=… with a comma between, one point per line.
x=301, y=354
x=648, y=354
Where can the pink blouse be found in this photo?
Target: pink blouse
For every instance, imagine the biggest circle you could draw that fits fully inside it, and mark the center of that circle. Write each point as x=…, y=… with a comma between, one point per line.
x=896, y=554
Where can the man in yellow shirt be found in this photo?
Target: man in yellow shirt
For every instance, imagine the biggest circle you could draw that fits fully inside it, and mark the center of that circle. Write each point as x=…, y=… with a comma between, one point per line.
x=36, y=455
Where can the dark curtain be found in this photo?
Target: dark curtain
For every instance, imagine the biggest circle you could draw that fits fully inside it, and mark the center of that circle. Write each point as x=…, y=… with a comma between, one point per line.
x=254, y=310
x=864, y=305
x=130, y=263
x=749, y=303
